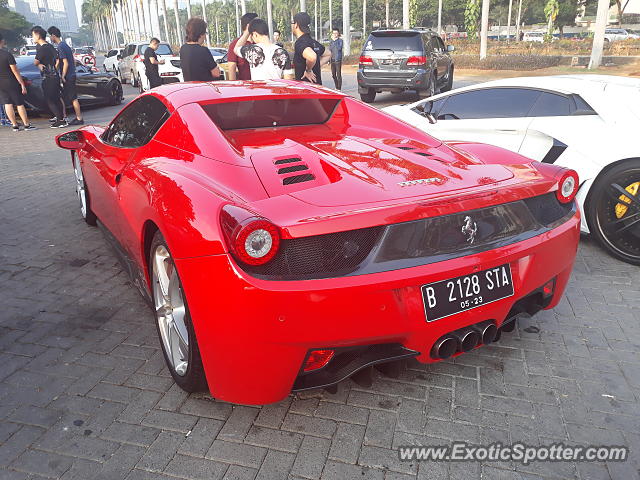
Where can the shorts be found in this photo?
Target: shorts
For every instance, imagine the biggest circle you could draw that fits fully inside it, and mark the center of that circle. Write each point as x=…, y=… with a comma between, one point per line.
x=11, y=95
x=69, y=93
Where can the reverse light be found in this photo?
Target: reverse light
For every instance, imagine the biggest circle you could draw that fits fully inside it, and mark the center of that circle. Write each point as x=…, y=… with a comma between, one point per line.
x=567, y=186
x=253, y=240
x=417, y=60
x=366, y=60
x=317, y=359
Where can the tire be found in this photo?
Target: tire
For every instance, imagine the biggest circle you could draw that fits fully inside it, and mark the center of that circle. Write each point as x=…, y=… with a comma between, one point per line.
x=115, y=92
x=616, y=228
x=430, y=91
x=449, y=83
x=134, y=82
x=173, y=321
x=83, y=194
x=368, y=97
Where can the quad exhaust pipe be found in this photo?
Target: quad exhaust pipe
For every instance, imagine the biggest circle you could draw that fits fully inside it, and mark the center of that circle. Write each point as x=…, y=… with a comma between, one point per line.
x=468, y=338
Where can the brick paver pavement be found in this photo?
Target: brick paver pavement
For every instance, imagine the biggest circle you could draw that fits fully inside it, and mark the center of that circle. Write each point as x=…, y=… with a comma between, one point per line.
x=84, y=392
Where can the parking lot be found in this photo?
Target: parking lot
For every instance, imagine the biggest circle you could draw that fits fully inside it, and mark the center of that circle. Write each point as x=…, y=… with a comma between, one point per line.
x=84, y=392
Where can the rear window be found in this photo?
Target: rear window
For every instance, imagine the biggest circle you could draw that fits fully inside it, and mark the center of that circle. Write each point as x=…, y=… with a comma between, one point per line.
x=163, y=49
x=396, y=41
x=277, y=112
x=83, y=51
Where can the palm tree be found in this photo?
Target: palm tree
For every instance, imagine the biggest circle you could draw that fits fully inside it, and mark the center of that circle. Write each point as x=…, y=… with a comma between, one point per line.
x=166, y=21
x=188, y=9
x=178, y=31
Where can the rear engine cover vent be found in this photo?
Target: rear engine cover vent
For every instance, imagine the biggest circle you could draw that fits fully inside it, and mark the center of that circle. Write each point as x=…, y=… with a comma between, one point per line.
x=294, y=164
x=307, y=177
x=289, y=168
x=415, y=150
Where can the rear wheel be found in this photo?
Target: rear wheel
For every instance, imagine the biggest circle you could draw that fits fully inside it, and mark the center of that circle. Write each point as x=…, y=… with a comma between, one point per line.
x=115, y=92
x=173, y=321
x=83, y=194
x=613, y=211
x=448, y=85
x=430, y=91
x=368, y=97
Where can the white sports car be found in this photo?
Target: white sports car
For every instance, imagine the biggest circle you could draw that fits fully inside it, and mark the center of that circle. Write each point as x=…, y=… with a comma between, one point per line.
x=590, y=123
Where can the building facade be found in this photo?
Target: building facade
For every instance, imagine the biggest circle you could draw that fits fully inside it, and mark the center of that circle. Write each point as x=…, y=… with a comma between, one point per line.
x=61, y=13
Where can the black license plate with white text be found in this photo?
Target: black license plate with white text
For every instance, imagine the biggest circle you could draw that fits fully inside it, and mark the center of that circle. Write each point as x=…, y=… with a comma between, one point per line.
x=455, y=295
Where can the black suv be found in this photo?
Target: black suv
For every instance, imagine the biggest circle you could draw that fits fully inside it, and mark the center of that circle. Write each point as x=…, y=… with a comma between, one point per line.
x=397, y=60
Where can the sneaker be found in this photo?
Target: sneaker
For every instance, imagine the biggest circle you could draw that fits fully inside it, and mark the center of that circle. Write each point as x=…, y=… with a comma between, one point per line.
x=16, y=128
x=29, y=127
x=60, y=124
x=75, y=121
x=53, y=119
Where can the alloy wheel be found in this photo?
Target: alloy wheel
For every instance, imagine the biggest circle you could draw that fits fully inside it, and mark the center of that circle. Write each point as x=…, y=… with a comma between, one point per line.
x=80, y=188
x=618, y=214
x=170, y=310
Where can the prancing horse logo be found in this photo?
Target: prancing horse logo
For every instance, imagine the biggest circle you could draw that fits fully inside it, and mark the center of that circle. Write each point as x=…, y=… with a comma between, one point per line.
x=469, y=229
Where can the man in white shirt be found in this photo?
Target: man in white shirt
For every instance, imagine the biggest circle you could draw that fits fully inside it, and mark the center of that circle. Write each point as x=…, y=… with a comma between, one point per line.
x=267, y=60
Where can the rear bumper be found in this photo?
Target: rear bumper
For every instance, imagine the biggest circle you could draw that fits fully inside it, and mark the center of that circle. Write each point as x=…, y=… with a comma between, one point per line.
x=254, y=334
x=411, y=81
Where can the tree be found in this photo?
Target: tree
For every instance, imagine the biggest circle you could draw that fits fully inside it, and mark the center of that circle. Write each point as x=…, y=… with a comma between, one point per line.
x=471, y=17
x=13, y=26
x=567, y=12
x=551, y=12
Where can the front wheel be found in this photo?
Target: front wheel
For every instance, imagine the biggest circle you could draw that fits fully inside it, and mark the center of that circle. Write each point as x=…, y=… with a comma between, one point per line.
x=613, y=211
x=115, y=92
x=173, y=321
x=368, y=97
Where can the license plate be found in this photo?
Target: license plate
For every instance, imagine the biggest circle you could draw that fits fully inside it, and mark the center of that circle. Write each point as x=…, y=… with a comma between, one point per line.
x=448, y=297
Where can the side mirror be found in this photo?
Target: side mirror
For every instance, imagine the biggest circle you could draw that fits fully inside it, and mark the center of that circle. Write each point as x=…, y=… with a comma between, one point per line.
x=71, y=140
x=450, y=48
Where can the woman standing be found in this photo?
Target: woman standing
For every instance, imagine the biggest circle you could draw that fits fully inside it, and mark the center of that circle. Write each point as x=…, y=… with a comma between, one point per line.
x=196, y=60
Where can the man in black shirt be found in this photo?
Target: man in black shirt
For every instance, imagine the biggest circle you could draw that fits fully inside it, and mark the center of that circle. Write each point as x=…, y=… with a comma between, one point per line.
x=12, y=89
x=151, y=63
x=309, y=55
x=46, y=59
x=196, y=60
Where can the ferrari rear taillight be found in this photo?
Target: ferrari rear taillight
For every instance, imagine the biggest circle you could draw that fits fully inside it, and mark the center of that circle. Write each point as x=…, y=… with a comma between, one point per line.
x=417, y=60
x=567, y=186
x=253, y=240
x=366, y=60
x=317, y=359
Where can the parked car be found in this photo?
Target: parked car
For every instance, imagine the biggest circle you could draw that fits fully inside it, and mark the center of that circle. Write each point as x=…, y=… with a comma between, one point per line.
x=289, y=236
x=219, y=54
x=28, y=50
x=112, y=58
x=84, y=55
x=533, y=37
x=585, y=122
x=617, y=34
x=93, y=87
x=132, y=69
x=397, y=60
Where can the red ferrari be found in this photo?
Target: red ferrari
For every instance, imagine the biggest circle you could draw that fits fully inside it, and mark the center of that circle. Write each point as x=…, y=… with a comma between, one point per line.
x=289, y=236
